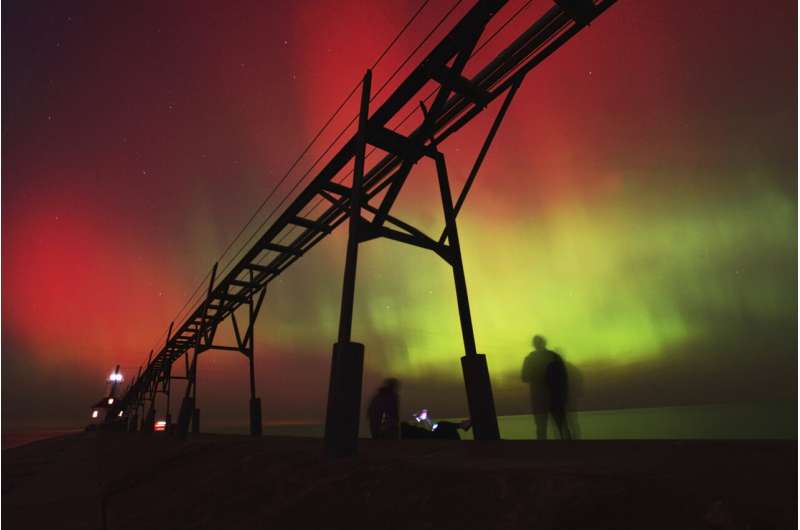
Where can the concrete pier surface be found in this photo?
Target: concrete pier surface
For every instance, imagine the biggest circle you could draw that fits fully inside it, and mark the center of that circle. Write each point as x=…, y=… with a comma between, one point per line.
x=130, y=481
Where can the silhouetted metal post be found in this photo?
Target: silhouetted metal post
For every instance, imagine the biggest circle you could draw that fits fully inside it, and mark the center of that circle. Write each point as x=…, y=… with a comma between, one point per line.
x=167, y=389
x=148, y=418
x=249, y=347
x=255, y=403
x=196, y=421
x=476, y=373
x=347, y=363
x=133, y=421
x=195, y=409
x=188, y=413
x=133, y=416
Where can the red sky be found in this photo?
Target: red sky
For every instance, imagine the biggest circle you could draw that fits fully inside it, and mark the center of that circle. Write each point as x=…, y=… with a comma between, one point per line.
x=138, y=139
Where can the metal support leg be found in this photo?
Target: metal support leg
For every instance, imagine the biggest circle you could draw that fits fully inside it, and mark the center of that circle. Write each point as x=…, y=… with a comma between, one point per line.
x=192, y=414
x=249, y=343
x=149, y=421
x=187, y=411
x=133, y=422
x=347, y=365
x=255, y=403
x=476, y=373
x=167, y=389
x=246, y=345
x=185, y=416
x=195, y=410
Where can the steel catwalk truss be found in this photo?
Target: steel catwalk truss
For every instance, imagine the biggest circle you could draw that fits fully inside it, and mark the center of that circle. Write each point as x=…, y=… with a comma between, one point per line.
x=458, y=100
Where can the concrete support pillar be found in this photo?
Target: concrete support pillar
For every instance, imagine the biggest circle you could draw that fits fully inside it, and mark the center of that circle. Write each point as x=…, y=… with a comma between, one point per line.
x=149, y=421
x=344, y=399
x=133, y=422
x=185, y=416
x=479, y=397
x=255, y=417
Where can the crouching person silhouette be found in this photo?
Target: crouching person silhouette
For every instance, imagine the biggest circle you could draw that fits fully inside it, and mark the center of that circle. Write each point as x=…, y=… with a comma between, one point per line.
x=383, y=411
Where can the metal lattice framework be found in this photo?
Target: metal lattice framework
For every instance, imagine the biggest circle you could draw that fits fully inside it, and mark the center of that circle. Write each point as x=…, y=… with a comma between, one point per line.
x=365, y=200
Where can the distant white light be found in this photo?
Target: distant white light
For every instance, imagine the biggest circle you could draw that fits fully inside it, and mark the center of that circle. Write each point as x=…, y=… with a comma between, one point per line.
x=95, y=413
x=115, y=377
x=120, y=414
x=110, y=401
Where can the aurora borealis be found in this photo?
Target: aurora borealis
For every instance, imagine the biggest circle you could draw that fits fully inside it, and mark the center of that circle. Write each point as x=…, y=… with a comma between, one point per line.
x=638, y=207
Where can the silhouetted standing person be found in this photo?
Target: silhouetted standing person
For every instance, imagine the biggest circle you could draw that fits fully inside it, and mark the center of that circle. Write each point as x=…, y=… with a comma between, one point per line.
x=384, y=412
x=545, y=372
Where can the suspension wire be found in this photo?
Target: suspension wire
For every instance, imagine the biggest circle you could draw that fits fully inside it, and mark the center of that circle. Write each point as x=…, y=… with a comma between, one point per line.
x=341, y=133
x=397, y=37
x=420, y=45
x=383, y=54
x=232, y=261
x=416, y=108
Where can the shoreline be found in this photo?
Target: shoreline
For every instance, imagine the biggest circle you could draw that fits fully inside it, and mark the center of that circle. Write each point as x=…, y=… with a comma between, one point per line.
x=762, y=420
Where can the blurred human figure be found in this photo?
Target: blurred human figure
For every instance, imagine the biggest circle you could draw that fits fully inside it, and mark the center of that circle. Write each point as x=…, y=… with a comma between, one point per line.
x=575, y=394
x=383, y=411
x=545, y=372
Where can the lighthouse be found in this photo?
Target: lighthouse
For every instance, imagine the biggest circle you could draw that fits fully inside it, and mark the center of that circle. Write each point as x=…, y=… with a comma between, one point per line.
x=107, y=409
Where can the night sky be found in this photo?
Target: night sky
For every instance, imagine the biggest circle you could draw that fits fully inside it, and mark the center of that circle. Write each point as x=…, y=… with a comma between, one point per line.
x=638, y=206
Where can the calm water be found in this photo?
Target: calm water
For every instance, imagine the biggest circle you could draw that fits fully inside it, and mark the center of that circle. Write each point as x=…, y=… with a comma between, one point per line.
x=17, y=438
x=730, y=421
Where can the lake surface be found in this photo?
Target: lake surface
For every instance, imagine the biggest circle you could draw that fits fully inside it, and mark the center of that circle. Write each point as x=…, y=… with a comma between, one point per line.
x=774, y=420
x=17, y=438
x=740, y=421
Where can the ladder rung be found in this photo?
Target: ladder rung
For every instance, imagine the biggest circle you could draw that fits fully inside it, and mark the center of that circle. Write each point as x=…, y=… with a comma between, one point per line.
x=283, y=249
x=240, y=283
x=234, y=297
x=308, y=223
x=260, y=268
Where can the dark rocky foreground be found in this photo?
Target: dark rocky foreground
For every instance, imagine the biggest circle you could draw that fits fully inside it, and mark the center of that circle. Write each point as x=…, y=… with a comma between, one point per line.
x=222, y=481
